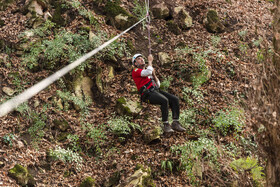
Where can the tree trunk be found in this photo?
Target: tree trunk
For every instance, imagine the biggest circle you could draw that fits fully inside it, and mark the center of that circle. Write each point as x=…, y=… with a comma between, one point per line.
x=267, y=98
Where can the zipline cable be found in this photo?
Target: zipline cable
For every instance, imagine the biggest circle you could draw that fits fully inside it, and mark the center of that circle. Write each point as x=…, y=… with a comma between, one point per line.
x=11, y=104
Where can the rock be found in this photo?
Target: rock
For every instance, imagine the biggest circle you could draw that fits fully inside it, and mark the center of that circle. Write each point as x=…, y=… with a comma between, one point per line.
x=102, y=83
x=141, y=177
x=185, y=20
x=160, y=11
x=35, y=7
x=201, y=77
x=20, y=144
x=213, y=23
x=127, y=107
x=21, y=175
x=173, y=27
x=36, y=103
x=61, y=125
x=88, y=182
x=152, y=135
x=121, y=21
x=9, y=91
x=82, y=87
x=57, y=15
x=163, y=58
x=118, y=16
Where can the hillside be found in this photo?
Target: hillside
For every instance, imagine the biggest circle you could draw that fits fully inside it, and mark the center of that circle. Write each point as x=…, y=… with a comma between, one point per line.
x=76, y=128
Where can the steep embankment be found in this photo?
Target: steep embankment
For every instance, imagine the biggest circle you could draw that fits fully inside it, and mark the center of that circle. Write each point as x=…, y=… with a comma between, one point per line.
x=209, y=71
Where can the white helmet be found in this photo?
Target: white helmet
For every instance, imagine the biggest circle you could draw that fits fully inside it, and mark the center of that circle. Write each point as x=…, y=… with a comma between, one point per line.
x=134, y=57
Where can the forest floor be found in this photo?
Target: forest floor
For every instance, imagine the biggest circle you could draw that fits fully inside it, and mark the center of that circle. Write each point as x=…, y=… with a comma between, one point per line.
x=232, y=62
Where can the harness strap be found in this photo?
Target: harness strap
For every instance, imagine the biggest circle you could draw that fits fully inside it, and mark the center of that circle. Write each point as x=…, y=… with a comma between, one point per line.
x=144, y=87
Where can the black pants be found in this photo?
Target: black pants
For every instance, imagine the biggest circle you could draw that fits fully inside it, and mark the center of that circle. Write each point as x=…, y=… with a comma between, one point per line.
x=164, y=99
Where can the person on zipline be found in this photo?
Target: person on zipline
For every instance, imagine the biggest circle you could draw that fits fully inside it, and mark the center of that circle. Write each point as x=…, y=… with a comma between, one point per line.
x=148, y=87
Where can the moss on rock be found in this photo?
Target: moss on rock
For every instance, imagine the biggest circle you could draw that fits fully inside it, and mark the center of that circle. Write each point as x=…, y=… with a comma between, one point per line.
x=173, y=27
x=127, y=107
x=88, y=182
x=213, y=23
x=21, y=175
x=114, y=12
x=57, y=16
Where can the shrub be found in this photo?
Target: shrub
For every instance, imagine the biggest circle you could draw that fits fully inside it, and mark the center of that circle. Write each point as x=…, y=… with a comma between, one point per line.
x=229, y=120
x=96, y=135
x=249, y=165
x=164, y=85
x=121, y=126
x=192, y=151
x=192, y=96
x=67, y=156
x=8, y=139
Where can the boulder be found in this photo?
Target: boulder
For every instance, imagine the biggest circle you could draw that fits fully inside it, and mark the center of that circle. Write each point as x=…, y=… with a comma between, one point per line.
x=108, y=74
x=152, y=135
x=82, y=87
x=213, y=23
x=160, y=11
x=173, y=27
x=88, y=182
x=35, y=8
x=118, y=16
x=141, y=177
x=127, y=107
x=9, y=91
x=21, y=175
x=164, y=58
x=182, y=17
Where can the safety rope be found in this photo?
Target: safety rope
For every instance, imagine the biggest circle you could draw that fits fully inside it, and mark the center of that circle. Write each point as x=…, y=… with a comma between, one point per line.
x=148, y=20
x=11, y=104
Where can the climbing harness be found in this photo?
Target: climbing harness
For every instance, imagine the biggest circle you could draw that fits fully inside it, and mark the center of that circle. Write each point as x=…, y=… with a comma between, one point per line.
x=11, y=104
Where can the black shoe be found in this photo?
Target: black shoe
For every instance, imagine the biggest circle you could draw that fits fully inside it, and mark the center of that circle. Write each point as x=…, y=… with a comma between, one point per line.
x=177, y=126
x=167, y=128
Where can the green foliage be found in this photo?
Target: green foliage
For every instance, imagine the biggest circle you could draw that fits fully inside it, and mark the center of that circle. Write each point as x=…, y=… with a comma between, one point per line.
x=121, y=126
x=203, y=149
x=192, y=96
x=229, y=120
x=243, y=34
x=82, y=11
x=260, y=56
x=67, y=155
x=139, y=9
x=187, y=119
x=82, y=104
x=8, y=139
x=38, y=121
x=215, y=40
x=249, y=165
x=74, y=142
x=44, y=30
x=258, y=42
x=243, y=48
x=167, y=165
x=97, y=135
x=164, y=85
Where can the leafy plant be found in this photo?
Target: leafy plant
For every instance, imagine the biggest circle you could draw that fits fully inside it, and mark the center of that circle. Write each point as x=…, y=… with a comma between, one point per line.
x=82, y=10
x=121, y=126
x=164, y=85
x=192, y=151
x=139, y=9
x=250, y=165
x=38, y=121
x=243, y=34
x=215, y=40
x=96, y=135
x=8, y=139
x=167, y=165
x=192, y=96
x=74, y=142
x=229, y=120
x=67, y=155
x=187, y=119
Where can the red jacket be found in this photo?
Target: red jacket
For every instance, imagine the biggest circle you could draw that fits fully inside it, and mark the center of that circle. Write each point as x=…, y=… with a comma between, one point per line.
x=139, y=80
